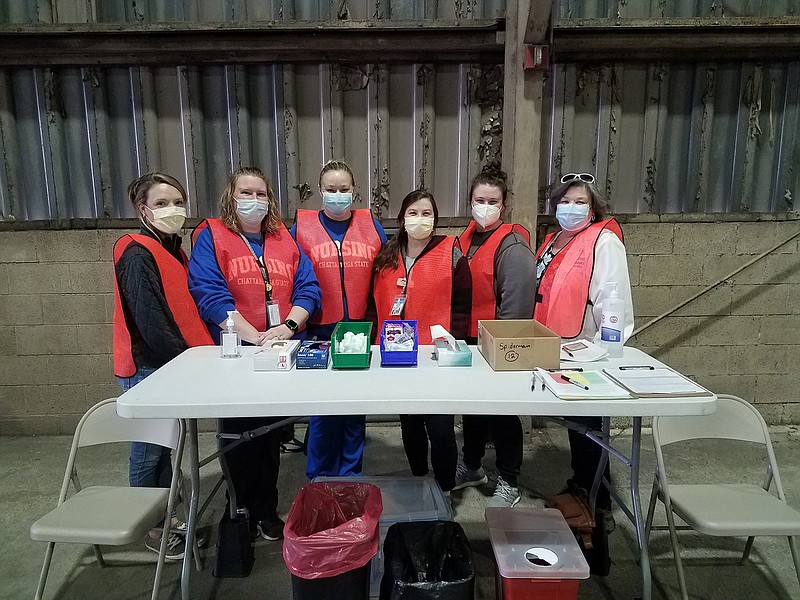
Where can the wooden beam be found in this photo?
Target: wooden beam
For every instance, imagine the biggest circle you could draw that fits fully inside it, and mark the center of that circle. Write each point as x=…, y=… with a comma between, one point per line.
x=522, y=119
x=537, y=28
x=676, y=40
x=257, y=42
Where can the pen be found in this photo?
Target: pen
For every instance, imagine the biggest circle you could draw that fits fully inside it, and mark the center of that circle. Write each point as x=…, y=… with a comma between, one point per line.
x=576, y=369
x=568, y=352
x=631, y=367
x=573, y=382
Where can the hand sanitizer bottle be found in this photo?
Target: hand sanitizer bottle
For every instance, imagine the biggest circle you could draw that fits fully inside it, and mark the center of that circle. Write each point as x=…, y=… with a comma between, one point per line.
x=611, y=322
x=229, y=339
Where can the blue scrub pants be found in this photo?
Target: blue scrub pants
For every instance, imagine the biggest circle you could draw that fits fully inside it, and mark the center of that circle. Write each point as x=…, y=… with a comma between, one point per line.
x=335, y=445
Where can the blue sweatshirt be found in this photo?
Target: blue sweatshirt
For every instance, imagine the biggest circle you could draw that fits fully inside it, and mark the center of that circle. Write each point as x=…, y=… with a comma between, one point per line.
x=210, y=290
x=336, y=229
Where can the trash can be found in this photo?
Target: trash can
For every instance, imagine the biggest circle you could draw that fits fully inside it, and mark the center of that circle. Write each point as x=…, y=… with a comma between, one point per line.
x=427, y=561
x=330, y=537
x=536, y=553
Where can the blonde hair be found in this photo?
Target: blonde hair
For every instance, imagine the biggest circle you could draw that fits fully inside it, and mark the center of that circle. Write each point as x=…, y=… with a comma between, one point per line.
x=336, y=165
x=227, y=203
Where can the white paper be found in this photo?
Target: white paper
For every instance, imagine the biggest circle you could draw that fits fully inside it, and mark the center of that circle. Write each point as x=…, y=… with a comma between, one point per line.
x=582, y=351
x=656, y=381
x=437, y=331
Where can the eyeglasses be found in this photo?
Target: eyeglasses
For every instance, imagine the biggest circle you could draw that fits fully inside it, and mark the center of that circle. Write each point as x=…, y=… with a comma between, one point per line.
x=585, y=177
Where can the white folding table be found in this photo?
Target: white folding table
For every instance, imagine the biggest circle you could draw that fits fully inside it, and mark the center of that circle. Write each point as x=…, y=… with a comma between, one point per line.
x=199, y=384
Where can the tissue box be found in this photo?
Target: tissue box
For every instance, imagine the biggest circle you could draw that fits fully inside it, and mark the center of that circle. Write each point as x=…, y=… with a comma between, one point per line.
x=277, y=355
x=518, y=345
x=313, y=354
x=446, y=356
x=351, y=361
x=394, y=329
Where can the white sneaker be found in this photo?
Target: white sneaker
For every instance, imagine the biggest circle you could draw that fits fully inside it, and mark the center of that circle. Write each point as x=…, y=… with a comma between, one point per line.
x=466, y=477
x=504, y=496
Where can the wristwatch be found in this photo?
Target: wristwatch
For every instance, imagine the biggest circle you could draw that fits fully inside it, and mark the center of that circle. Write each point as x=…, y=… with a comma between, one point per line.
x=292, y=324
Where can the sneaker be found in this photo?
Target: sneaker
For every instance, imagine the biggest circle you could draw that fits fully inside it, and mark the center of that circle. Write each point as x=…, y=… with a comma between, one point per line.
x=176, y=546
x=504, y=496
x=199, y=533
x=271, y=530
x=466, y=477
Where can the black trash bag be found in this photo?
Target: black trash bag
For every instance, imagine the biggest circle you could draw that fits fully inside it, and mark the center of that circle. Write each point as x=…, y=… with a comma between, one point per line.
x=427, y=560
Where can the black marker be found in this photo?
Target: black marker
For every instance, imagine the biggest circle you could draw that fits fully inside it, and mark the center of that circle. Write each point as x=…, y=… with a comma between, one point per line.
x=632, y=367
x=576, y=369
x=573, y=382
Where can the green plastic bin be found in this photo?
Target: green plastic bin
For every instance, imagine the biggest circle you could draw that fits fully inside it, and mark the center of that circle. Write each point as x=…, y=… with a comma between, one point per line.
x=351, y=361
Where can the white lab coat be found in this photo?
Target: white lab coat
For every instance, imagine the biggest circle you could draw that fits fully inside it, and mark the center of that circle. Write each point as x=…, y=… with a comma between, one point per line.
x=610, y=264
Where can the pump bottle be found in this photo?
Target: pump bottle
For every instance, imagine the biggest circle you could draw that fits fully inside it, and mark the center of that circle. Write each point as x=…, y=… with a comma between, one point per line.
x=611, y=322
x=229, y=339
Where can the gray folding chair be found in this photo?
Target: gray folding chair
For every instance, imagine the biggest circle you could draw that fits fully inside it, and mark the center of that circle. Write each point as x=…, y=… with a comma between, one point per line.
x=722, y=509
x=104, y=515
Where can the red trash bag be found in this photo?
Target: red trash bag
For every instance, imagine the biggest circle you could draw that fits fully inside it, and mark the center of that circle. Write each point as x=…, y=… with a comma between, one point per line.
x=332, y=528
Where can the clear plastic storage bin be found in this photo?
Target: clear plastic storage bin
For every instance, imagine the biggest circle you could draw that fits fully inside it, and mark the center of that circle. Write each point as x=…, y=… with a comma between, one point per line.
x=404, y=499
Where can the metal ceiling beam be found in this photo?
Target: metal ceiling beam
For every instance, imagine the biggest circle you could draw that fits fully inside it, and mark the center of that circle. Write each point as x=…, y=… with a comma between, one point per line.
x=676, y=40
x=253, y=42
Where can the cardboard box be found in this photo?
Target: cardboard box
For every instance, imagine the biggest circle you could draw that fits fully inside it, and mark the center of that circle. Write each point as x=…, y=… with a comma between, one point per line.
x=518, y=345
x=446, y=356
x=313, y=354
x=278, y=355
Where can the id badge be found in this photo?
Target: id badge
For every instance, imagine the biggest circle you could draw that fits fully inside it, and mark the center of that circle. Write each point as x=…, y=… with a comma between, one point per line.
x=397, y=306
x=273, y=314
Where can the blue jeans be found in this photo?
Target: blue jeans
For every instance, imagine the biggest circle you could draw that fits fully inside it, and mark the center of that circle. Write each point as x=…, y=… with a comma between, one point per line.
x=149, y=464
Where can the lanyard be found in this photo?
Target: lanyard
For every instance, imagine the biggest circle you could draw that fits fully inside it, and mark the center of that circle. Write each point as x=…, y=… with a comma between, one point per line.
x=261, y=266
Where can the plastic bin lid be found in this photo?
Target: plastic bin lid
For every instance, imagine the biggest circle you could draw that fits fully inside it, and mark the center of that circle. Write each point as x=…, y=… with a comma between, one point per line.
x=406, y=498
x=534, y=543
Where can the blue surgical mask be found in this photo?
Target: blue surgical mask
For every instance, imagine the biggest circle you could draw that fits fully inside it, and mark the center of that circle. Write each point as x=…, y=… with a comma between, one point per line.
x=337, y=203
x=251, y=211
x=572, y=217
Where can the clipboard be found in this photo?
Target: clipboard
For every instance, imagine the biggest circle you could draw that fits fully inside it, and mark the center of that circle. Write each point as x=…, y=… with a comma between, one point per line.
x=657, y=382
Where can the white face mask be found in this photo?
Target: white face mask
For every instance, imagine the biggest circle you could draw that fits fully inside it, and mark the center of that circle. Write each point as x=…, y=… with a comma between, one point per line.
x=337, y=203
x=251, y=211
x=486, y=215
x=168, y=219
x=572, y=217
x=419, y=228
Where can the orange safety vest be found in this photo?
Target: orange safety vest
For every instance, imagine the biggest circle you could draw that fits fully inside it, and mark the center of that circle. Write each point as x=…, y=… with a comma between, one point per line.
x=174, y=281
x=344, y=273
x=481, y=265
x=241, y=271
x=428, y=289
x=563, y=291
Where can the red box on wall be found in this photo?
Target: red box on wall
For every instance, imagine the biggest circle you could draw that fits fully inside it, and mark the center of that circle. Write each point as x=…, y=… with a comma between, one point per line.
x=536, y=554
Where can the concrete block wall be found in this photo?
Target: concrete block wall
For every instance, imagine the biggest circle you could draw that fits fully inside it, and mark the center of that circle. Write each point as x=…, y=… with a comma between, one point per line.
x=56, y=306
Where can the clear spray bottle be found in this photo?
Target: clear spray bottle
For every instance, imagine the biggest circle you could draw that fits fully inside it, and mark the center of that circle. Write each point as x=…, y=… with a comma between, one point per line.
x=229, y=339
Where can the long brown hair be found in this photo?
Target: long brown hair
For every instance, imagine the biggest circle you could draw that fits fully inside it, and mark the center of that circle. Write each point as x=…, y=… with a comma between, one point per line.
x=227, y=203
x=387, y=257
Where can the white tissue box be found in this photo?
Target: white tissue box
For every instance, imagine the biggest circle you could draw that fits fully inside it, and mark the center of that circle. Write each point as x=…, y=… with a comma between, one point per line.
x=277, y=355
x=447, y=356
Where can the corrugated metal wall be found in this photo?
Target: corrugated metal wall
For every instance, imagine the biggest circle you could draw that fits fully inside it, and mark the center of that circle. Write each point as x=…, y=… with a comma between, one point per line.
x=663, y=137
x=639, y=9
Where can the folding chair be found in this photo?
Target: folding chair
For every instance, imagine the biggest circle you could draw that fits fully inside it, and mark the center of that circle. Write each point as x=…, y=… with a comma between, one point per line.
x=727, y=510
x=111, y=516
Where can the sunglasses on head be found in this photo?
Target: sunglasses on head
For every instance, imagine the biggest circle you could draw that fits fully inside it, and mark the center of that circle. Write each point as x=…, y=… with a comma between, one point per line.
x=585, y=177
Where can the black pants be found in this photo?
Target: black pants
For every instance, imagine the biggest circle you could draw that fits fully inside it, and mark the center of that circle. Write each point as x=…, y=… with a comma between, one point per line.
x=254, y=466
x=506, y=432
x=440, y=430
x=585, y=459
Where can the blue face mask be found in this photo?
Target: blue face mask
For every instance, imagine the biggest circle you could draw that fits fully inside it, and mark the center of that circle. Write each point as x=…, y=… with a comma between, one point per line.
x=572, y=217
x=337, y=203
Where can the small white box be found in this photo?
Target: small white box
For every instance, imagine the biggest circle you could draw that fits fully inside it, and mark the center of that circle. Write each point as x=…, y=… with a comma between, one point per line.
x=277, y=355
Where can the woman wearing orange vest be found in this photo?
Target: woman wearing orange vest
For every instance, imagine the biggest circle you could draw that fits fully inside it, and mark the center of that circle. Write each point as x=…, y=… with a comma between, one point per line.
x=422, y=276
x=155, y=318
x=573, y=269
x=342, y=243
x=247, y=261
x=503, y=286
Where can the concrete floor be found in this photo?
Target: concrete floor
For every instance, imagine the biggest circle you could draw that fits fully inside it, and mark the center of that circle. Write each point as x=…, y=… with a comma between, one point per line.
x=31, y=471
